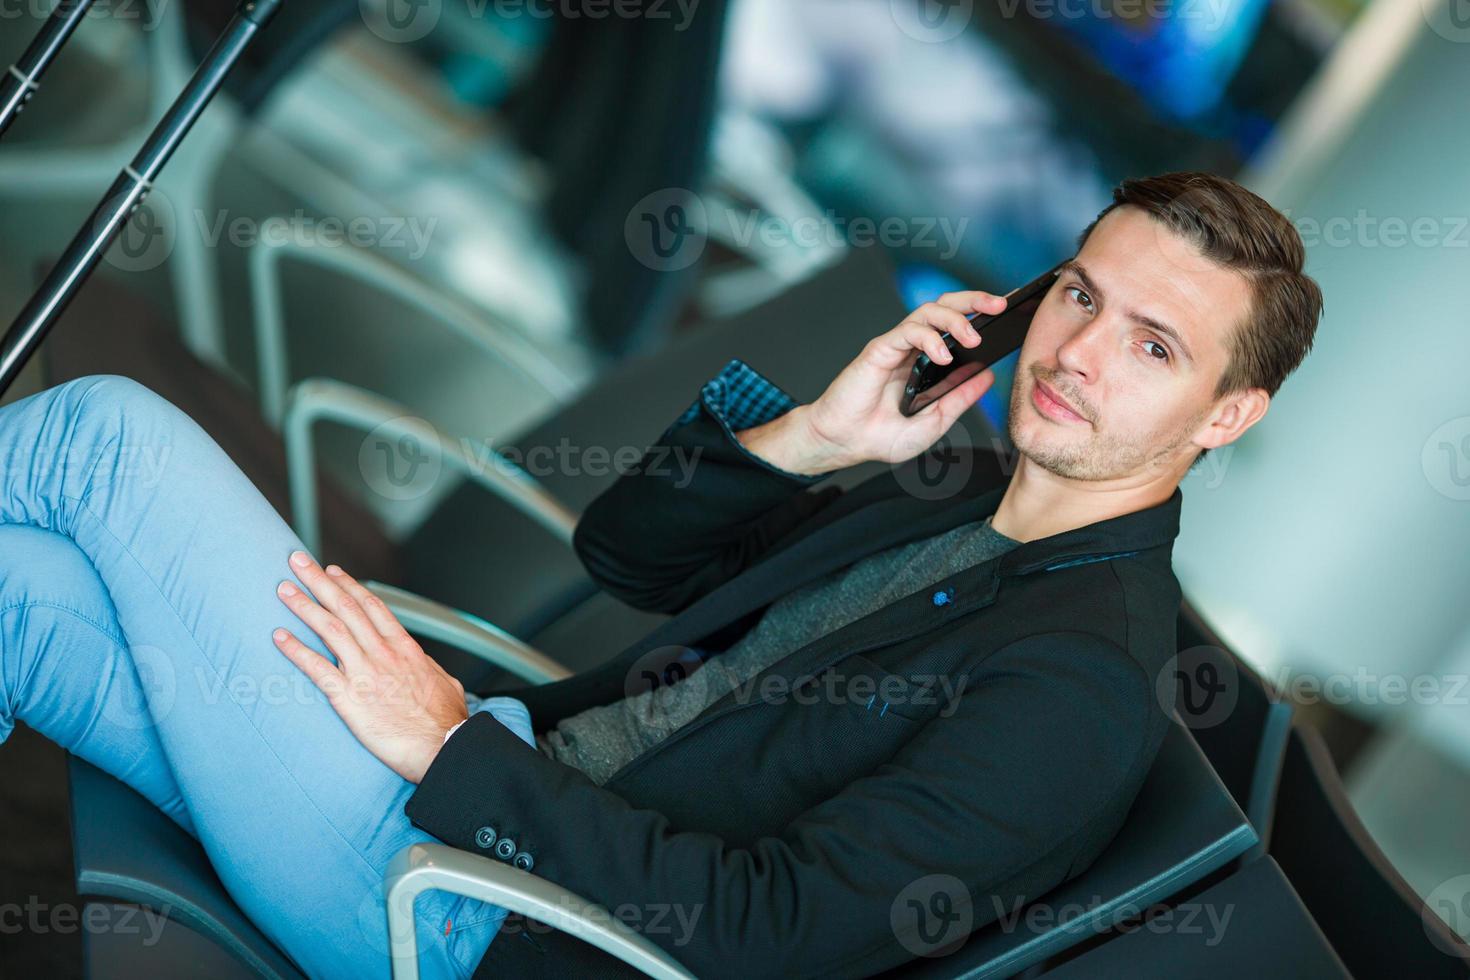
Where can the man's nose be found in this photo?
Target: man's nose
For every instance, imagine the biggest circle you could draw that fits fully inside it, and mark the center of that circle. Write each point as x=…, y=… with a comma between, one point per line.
x=1083, y=352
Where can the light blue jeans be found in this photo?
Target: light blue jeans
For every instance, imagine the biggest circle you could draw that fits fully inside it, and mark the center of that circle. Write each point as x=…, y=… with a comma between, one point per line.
x=138, y=572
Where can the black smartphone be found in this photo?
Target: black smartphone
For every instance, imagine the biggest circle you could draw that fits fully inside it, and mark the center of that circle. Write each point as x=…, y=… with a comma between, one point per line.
x=999, y=335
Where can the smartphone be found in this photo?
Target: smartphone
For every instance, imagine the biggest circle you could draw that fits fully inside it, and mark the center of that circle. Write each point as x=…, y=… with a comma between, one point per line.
x=1000, y=335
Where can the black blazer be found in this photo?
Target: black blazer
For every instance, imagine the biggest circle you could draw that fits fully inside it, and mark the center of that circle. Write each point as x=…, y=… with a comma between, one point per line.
x=774, y=833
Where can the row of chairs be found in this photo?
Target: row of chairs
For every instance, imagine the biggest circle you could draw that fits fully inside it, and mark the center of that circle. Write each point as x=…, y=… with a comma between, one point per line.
x=1242, y=812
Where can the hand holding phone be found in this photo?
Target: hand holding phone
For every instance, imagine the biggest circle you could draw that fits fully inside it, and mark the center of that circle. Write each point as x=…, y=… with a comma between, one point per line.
x=857, y=418
x=1000, y=334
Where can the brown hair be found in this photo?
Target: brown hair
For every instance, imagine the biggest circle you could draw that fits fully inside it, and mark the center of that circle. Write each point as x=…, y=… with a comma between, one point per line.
x=1239, y=230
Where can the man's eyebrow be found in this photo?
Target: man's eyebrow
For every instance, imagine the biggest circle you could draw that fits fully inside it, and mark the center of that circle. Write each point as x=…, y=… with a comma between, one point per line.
x=1075, y=267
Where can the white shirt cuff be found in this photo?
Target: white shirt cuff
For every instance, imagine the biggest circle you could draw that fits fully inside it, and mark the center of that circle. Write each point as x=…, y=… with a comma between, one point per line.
x=454, y=728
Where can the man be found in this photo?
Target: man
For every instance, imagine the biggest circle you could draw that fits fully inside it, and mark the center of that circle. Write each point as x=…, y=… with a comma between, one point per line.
x=792, y=824
x=881, y=685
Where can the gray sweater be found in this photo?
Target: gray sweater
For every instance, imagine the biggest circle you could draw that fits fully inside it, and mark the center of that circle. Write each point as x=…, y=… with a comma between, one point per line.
x=601, y=740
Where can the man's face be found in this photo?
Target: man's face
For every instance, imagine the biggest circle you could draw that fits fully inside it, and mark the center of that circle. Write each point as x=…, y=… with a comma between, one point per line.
x=1140, y=394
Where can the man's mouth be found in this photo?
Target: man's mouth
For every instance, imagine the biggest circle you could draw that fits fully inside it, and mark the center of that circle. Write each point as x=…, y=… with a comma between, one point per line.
x=1050, y=404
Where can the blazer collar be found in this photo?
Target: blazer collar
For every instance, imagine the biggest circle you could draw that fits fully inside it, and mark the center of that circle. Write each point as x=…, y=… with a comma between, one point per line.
x=1127, y=533
x=904, y=518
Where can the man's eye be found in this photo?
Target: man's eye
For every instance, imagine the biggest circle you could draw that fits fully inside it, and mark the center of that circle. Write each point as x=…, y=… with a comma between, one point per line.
x=1088, y=304
x=1155, y=343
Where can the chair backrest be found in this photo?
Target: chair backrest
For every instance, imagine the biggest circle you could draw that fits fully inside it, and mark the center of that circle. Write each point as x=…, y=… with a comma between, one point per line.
x=127, y=850
x=1236, y=716
x=1252, y=924
x=1183, y=826
x=340, y=312
x=1373, y=918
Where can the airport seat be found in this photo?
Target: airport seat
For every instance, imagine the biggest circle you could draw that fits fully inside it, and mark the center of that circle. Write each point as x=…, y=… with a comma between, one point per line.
x=126, y=850
x=1183, y=827
x=1374, y=919
x=1239, y=720
x=1252, y=924
x=160, y=949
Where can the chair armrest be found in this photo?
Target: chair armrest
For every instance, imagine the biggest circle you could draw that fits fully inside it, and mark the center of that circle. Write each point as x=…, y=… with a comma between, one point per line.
x=425, y=867
x=469, y=633
x=319, y=399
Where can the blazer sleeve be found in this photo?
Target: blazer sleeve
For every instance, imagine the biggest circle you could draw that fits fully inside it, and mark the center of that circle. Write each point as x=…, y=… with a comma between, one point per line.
x=698, y=508
x=1049, y=739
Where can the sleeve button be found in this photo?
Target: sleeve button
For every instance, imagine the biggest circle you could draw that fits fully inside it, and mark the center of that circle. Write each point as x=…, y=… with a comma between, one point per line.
x=485, y=837
x=505, y=848
x=524, y=861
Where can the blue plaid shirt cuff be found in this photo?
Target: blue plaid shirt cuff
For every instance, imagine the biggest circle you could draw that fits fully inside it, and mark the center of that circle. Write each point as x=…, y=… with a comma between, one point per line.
x=739, y=397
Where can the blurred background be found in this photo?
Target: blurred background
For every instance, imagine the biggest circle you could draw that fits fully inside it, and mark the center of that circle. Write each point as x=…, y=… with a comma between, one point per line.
x=495, y=216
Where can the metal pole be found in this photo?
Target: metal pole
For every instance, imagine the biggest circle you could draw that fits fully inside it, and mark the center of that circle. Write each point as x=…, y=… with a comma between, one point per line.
x=24, y=77
x=128, y=191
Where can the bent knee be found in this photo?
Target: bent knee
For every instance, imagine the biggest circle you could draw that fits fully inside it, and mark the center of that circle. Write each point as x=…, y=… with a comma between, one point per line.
x=116, y=395
x=44, y=567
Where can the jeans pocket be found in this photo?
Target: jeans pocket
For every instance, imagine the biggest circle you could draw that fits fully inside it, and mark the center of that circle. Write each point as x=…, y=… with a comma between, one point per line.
x=470, y=927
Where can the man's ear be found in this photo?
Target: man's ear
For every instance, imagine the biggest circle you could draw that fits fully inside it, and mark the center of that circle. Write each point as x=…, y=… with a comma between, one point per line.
x=1235, y=414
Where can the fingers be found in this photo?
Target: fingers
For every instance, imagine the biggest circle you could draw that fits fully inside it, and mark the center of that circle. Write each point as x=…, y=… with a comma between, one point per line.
x=377, y=611
x=322, y=673
x=973, y=301
x=333, y=615
x=921, y=330
x=914, y=336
